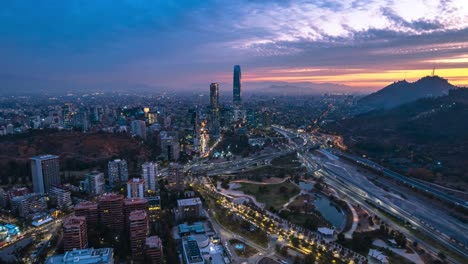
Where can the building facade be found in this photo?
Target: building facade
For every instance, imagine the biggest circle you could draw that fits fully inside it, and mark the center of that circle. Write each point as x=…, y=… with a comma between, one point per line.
x=153, y=250
x=75, y=235
x=189, y=208
x=94, y=183
x=138, y=128
x=29, y=204
x=170, y=147
x=175, y=177
x=214, y=103
x=135, y=188
x=118, y=171
x=60, y=197
x=237, y=86
x=111, y=211
x=138, y=231
x=45, y=171
x=89, y=210
x=149, y=172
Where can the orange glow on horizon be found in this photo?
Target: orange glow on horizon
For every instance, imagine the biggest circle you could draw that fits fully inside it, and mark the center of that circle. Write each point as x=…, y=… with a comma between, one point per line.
x=357, y=77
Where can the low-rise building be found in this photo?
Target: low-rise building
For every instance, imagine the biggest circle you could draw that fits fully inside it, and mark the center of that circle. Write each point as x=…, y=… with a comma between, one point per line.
x=29, y=204
x=84, y=256
x=189, y=208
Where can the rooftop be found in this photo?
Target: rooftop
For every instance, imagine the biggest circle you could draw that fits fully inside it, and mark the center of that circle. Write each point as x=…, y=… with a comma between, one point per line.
x=86, y=205
x=74, y=221
x=84, y=256
x=137, y=215
x=44, y=157
x=189, y=202
x=136, y=180
x=195, y=228
x=135, y=200
x=153, y=242
x=192, y=251
x=111, y=197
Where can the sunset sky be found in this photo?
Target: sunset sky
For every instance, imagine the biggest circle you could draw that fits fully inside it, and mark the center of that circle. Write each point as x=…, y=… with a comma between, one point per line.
x=177, y=44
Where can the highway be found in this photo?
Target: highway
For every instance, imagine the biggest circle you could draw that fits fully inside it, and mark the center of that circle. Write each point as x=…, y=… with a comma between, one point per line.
x=408, y=181
x=434, y=222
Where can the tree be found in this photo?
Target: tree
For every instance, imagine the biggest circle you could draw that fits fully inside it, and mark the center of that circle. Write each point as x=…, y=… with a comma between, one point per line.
x=341, y=237
x=442, y=256
x=294, y=241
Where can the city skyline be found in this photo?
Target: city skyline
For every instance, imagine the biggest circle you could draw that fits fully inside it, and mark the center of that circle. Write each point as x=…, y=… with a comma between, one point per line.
x=178, y=46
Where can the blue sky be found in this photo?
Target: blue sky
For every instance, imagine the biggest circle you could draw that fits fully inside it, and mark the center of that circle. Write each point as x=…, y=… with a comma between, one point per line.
x=183, y=44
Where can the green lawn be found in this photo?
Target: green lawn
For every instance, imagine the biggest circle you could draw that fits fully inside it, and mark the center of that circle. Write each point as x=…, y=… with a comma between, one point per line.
x=288, y=161
x=272, y=195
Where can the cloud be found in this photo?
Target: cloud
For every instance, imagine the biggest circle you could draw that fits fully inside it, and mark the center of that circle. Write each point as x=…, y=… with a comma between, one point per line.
x=185, y=42
x=417, y=26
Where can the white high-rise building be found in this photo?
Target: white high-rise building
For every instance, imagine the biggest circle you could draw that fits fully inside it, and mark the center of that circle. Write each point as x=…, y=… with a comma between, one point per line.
x=118, y=171
x=94, y=182
x=149, y=173
x=135, y=188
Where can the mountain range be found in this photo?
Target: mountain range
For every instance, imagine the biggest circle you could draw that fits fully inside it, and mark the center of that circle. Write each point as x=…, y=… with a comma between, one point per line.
x=402, y=92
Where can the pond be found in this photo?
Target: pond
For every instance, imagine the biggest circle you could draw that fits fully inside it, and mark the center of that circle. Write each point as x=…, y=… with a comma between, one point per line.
x=330, y=211
x=239, y=246
x=306, y=186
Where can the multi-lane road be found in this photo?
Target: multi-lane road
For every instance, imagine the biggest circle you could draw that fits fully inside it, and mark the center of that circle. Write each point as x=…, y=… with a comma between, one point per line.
x=434, y=222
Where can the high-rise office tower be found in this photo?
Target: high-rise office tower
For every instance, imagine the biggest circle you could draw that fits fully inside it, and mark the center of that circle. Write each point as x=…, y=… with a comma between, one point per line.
x=67, y=115
x=135, y=188
x=60, y=197
x=138, y=128
x=175, y=177
x=111, y=211
x=237, y=85
x=149, y=173
x=75, y=235
x=170, y=146
x=138, y=231
x=118, y=171
x=94, y=182
x=45, y=172
x=214, y=101
x=153, y=250
x=152, y=117
x=214, y=95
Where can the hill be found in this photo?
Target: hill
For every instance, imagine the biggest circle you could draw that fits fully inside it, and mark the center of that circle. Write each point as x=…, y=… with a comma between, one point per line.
x=77, y=151
x=402, y=92
x=425, y=139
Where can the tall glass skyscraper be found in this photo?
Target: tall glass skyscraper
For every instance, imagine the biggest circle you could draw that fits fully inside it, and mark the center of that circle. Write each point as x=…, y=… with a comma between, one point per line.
x=214, y=95
x=236, y=91
x=214, y=101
